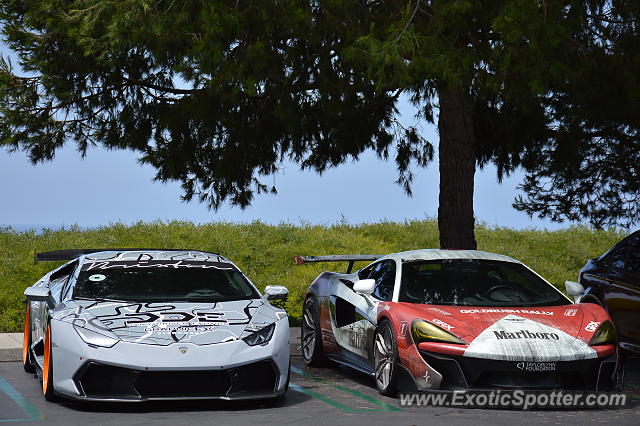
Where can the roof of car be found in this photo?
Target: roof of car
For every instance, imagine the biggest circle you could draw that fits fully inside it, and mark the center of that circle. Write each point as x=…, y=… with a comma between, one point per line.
x=435, y=254
x=153, y=254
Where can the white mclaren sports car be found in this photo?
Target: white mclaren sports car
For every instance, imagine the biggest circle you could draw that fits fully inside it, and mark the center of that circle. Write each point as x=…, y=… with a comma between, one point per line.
x=137, y=325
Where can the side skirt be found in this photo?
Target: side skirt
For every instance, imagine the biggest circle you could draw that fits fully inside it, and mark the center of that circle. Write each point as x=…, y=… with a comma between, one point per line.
x=348, y=363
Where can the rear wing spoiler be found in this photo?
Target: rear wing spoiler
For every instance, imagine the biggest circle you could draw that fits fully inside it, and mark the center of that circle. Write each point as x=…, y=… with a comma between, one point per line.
x=350, y=258
x=61, y=255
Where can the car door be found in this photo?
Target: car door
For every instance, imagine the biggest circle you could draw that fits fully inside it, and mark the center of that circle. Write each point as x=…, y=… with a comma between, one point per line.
x=622, y=294
x=354, y=315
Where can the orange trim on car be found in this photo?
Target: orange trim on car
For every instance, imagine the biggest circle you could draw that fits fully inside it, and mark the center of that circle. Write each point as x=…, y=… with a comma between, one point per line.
x=46, y=369
x=25, y=338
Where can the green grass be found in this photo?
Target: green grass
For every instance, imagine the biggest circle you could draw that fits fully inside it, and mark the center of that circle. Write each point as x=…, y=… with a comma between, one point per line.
x=265, y=252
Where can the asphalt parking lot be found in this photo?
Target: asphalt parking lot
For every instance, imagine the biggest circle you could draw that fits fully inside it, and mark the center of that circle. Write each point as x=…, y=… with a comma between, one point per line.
x=335, y=396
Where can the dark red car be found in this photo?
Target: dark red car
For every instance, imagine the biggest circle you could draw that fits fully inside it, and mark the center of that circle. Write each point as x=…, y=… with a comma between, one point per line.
x=613, y=281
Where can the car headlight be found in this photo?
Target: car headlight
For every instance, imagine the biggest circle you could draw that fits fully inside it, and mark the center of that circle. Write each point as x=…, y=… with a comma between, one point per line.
x=94, y=338
x=261, y=336
x=604, y=335
x=423, y=331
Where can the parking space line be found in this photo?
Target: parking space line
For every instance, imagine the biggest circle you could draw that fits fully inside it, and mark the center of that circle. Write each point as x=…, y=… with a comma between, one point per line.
x=323, y=398
x=26, y=406
x=384, y=406
x=633, y=390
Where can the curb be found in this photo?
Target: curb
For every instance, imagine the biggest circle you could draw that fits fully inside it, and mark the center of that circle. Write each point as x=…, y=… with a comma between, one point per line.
x=294, y=340
x=11, y=345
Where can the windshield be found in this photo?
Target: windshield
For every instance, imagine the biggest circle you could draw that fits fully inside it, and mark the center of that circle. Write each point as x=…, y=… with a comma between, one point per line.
x=162, y=281
x=470, y=282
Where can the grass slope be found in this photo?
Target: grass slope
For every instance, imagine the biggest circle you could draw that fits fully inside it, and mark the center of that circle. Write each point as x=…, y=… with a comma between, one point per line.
x=265, y=252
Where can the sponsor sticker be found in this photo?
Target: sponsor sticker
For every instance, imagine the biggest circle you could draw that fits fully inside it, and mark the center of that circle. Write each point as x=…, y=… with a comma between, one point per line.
x=187, y=329
x=570, y=312
x=536, y=366
x=505, y=311
x=440, y=311
x=174, y=318
x=524, y=334
x=403, y=328
x=442, y=324
x=357, y=337
x=592, y=326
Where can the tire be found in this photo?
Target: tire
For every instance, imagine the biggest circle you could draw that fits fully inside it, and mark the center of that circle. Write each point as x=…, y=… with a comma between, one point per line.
x=27, y=364
x=47, y=367
x=311, y=335
x=286, y=385
x=385, y=355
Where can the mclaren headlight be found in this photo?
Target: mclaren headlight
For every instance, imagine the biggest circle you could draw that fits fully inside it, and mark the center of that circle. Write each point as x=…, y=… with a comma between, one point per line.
x=423, y=331
x=604, y=335
x=260, y=337
x=94, y=338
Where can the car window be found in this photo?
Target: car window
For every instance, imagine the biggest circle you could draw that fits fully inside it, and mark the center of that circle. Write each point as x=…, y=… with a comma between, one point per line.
x=617, y=257
x=385, y=275
x=363, y=274
x=471, y=282
x=632, y=262
x=59, y=279
x=162, y=280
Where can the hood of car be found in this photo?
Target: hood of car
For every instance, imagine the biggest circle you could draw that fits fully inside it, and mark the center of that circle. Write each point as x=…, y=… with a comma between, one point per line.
x=468, y=322
x=165, y=323
x=518, y=333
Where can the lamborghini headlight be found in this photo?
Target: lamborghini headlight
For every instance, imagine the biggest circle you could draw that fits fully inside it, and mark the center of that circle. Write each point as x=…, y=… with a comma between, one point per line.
x=94, y=338
x=604, y=335
x=423, y=331
x=261, y=336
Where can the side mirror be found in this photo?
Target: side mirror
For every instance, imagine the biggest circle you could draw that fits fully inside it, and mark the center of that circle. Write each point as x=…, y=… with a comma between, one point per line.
x=364, y=286
x=276, y=292
x=37, y=294
x=574, y=289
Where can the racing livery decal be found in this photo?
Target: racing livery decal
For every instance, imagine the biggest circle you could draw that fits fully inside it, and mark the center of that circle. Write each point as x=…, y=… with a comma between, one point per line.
x=454, y=319
x=164, y=324
x=106, y=318
x=527, y=340
x=510, y=311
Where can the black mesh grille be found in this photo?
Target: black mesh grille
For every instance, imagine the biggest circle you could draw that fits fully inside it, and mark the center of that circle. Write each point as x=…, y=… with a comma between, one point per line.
x=178, y=384
x=520, y=380
x=486, y=373
x=105, y=381
x=260, y=377
x=108, y=381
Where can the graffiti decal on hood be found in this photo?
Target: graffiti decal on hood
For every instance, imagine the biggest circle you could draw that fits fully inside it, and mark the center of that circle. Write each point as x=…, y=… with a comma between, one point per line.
x=167, y=323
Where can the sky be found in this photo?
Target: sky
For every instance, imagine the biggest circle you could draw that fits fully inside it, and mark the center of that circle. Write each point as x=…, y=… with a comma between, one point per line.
x=111, y=186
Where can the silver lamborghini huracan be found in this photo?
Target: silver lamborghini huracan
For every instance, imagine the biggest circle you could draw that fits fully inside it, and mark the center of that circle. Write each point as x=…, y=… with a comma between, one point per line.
x=136, y=325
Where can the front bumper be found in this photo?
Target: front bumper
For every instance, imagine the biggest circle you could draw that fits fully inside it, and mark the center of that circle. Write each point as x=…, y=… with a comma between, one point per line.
x=429, y=370
x=477, y=373
x=142, y=372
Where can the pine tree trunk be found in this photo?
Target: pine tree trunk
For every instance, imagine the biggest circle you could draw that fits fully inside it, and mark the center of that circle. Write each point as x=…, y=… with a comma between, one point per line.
x=457, y=169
